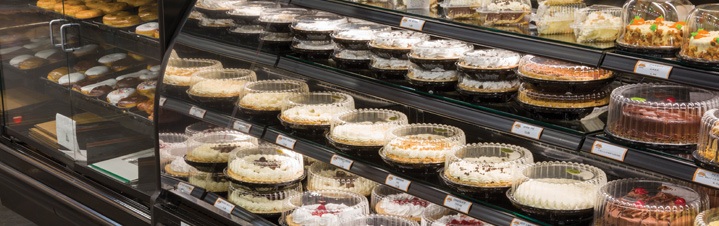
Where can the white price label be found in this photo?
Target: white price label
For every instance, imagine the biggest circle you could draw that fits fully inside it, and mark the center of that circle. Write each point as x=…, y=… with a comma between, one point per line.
x=341, y=162
x=184, y=224
x=609, y=150
x=241, y=126
x=652, y=69
x=185, y=188
x=197, y=112
x=527, y=130
x=224, y=205
x=518, y=222
x=397, y=182
x=706, y=177
x=285, y=141
x=162, y=101
x=411, y=23
x=457, y=204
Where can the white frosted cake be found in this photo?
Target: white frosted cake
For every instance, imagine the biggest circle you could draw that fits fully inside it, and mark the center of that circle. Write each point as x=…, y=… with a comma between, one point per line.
x=311, y=114
x=490, y=59
x=178, y=168
x=322, y=215
x=418, y=148
x=440, y=49
x=556, y=194
x=217, y=152
x=434, y=75
x=402, y=205
x=262, y=203
x=263, y=101
x=217, y=88
x=457, y=219
x=480, y=171
x=331, y=178
x=703, y=45
x=398, y=39
x=353, y=54
x=265, y=168
x=362, y=134
x=555, y=19
x=597, y=27
x=395, y=64
x=488, y=86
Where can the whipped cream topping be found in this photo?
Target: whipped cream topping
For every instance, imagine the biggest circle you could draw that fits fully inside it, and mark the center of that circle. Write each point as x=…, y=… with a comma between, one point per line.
x=399, y=39
x=437, y=74
x=337, y=179
x=249, y=10
x=356, y=34
x=419, y=146
x=259, y=167
x=597, y=26
x=218, y=152
x=382, y=63
x=321, y=24
x=366, y=134
x=483, y=170
x=440, y=49
x=316, y=114
x=331, y=215
x=556, y=194
x=490, y=85
x=491, y=59
x=263, y=101
x=218, y=88
x=258, y=204
x=403, y=205
x=353, y=54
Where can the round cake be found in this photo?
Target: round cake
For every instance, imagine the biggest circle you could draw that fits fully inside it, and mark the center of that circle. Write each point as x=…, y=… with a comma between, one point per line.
x=389, y=201
x=215, y=147
x=324, y=208
x=659, y=32
x=436, y=215
x=555, y=70
x=485, y=165
x=314, y=109
x=266, y=164
x=707, y=150
x=263, y=203
x=179, y=71
x=211, y=182
x=565, y=106
x=326, y=177
x=268, y=95
x=375, y=219
x=395, y=44
x=364, y=127
x=421, y=148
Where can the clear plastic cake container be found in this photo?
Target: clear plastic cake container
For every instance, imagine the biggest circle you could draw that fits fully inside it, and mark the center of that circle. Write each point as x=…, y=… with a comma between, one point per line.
x=219, y=87
x=395, y=44
x=202, y=127
x=438, y=215
x=386, y=200
x=556, y=76
x=316, y=27
x=460, y=10
x=439, y=50
x=356, y=36
x=323, y=208
x=559, y=2
x=249, y=12
x=374, y=219
x=701, y=37
x=707, y=152
x=210, y=151
x=565, y=106
x=486, y=91
x=628, y=201
x=662, y=116
x=352, y=59
x=557, y=191
x=266, y=167
x=280, y=19
x=656, y=30
x=469, y=168
x=265, y=97
x=489, y=59
x=709, y=217
x=310, y=114
x=556, y=19
x=179, y=71
x=322, y=176
x=597, y=23
x=172, y=145
x=363, y=130
x=420, y=148
x=505, y=12
x=210, y=181
x=263, y=203
x=313, y=50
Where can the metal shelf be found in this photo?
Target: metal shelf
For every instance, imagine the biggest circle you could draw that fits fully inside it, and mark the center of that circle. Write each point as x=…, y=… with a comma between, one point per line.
x=227, y=50
x=220, y=119
x=679, y=73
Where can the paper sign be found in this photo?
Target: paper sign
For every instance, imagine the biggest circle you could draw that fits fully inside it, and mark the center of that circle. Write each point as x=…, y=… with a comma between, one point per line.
x=185, y=188
x=609, y=150
x=285, y=141
x=66, y=132
x=397, y=182
x=706, y=177
x=652, y=69
x=341, y=162
x=411, y=23
x=197, y=112
x=527, y=130
x=241, y=126
x=457, y=204
x=162, y=101
x=518, y=222
x=224, y=205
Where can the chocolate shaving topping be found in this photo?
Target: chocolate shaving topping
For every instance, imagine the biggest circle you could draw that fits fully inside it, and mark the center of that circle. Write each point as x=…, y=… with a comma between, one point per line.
x=345, y=179
x=263, y=162
x=224, y=148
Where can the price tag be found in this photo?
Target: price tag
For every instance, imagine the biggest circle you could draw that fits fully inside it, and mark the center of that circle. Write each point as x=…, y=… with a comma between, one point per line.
x=457, y=204
x=162, y=101
x=185, y=188
x=527, y=130
x=341, y=162
x=197, y=112
x=397, y=182
x=285, y=141
x=652, y=69
x=241, y=126
x=706, y=177
x=609, y=150
x=411, y=23
x=518, y=222
x=224, y=205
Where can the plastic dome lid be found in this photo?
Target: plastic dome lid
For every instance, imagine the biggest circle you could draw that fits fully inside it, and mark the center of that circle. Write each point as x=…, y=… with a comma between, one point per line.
x=707, y=218
x=202, y=127
x=179, y=70
x=708, y=146
x=422, y=143
x=597, y=23
x=215, y=147
x=323, y=176
x=227, y=82
x=440, y=49
x=629, y=201
x=654, y=23
x=315, y=108
x=281, y=15
x=701, y=36
x=253, y=8
x=390, y=201
x=385, y=220
x=530, y=96
x=172, y=145
x=324, y=208
x=210, y=181
x=485, y=164
x=266, y=164
x=438, y=215
x=261, y=202
x=490, y=59
x=365, y=127
x=398, y=39
x=267, y=95
x=325, y=22
x=551, y=69
x=358, y=31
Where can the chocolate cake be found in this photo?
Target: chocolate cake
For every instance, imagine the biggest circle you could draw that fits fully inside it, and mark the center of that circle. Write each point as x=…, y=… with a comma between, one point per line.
x=640, y=207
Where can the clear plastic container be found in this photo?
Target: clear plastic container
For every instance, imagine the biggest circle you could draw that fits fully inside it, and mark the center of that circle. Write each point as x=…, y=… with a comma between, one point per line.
x=489, y=59
x=219, y=87
x=556, y=19
x=210, y=151
x=172, y=146
x=363, y=132
x=701, y=36
x=555, y=76
x=215, y=8
x=202, y=127
x=395, y=44
x=647, y=202
x=316, y=27
x=659, y=115
x=323, y=176
x=276, y=42
x=487, y=91
x=432, y=80
x=421, y=148
x=324, y=208
x=707, y=152
x=653, y=26
x=393, y=68
x=439, y=50
x=374, y=219
x=261, y=203
x=178, y=73
x=210, y=181
x=279, y=20
x=483, y=169
x=246, y=34
x=438, y=215
x=264, y=98
x=311, y=113
x=389, y=201
x=266, y=166
x=557, y=191
x=597, y=23
x=352, y=59
x=356, y=36
x=460, y=9
x=216, y=26
x=313, y=50
x=249, y=12
x=505, y=12
x=566, y=106
x=709, y=217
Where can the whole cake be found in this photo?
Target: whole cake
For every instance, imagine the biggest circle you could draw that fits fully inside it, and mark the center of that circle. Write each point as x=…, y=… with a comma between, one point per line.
x=703, y=45
x=420, y=148
x=311, y=114
x=261, y=203
x=178, y=168
x=217, y=88
x=324, y=208
x=325, y=177
x=314, y=109
x=653, y=33
x=320, y=215
x=485, y=164
x=402, y=205
x=265, y=168
x=434, y=75
x=263, y=101
x=398, y=39
x=557, y=70
x=488, y=86
x=457, y=219
x=214, y=152
x=211, y=182
x=708, y=146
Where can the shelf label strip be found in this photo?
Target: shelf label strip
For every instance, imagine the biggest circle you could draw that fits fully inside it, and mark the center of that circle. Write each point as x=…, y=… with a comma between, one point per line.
x=224, y=205
x=397, y=182
x=457, y=204
x=706, y=177
x=285, y=141
x=518, y=222
x=412, y=23
x=527, y=130
x=241, y=126
x=609, y=150
x=185, y=188
x=652, y=69
x=162, y=101
x=197, y=112
x=341, y=162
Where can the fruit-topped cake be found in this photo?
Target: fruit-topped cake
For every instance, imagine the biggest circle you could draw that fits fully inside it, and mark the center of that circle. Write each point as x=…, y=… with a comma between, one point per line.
x=436, y=215
x=326, y=177
x=703, y=45
x=324, y=208
x=645, y=202
x=266, y=164
x=380, y=219
x=653, y=33
x=389, y=201
x=457, y=220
